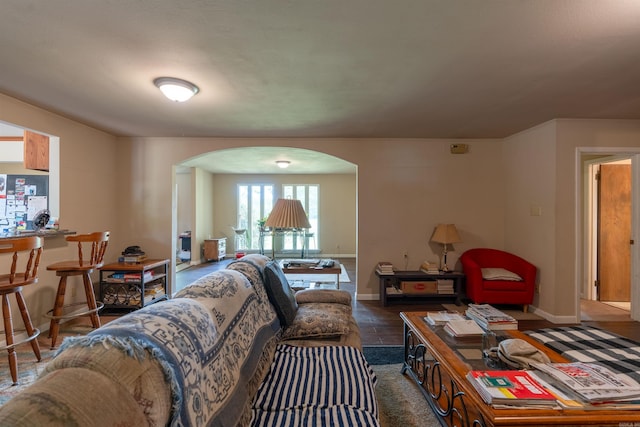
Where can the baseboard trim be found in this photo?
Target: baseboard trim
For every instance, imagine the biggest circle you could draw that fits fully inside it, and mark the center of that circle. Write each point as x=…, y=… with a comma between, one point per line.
x=367, y=297
x=552, y=318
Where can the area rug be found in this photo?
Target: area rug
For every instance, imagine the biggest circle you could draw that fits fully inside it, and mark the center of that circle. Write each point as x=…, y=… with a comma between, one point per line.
x=344, y=277
x=28, y=367
x=400, y=401
x=517, y=314
x=383, y=354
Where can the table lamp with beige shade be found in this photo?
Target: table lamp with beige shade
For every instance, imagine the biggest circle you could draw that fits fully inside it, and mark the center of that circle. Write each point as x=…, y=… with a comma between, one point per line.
x=287, y=214
x=445, y=234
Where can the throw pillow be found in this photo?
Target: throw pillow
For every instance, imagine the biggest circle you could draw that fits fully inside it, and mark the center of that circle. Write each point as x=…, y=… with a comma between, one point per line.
x=337, y=296
x=280, y=294
x=319, y=320
x=500, y=274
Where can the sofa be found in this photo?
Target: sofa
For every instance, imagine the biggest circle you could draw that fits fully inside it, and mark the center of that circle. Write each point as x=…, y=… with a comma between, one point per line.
x=236, y=347
x=494, y=276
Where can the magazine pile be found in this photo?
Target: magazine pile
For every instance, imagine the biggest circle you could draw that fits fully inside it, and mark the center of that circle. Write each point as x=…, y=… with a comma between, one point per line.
x=490, y=318
x=511, y=388
x=590, y=382
x=573, y=385
x=442, y=317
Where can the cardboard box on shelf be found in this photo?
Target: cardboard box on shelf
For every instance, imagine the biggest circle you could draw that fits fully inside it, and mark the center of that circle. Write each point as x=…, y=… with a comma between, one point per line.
x=420, y=287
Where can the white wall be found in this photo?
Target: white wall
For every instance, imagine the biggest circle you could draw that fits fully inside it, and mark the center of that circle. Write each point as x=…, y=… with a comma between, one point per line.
x=543, y=168
x=530, y=204
x=185, y=201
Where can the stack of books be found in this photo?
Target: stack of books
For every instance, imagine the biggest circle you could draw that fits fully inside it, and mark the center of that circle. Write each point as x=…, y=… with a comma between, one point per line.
x=463, y=328
x=490, y=318
x=123, y=278
x=445, y=287
x=384, y=268
x=429, y=268
x=133, y=259
x=392, y=290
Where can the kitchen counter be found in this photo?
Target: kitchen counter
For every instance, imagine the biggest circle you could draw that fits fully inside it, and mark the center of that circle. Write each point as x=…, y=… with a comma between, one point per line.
x=42, y=233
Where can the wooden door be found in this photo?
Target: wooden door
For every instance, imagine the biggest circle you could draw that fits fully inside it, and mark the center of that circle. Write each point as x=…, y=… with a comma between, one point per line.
x=614, y=233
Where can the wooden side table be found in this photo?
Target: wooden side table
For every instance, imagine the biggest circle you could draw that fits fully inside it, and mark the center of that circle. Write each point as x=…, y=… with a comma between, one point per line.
x=132, y=286
x=215, y=249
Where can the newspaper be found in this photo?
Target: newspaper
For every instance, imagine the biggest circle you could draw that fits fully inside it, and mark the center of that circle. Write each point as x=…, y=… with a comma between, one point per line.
x=591, y=381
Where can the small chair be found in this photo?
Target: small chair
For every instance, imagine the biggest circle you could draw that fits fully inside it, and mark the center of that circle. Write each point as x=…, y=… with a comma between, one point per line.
x=81, y=267
x=12, y=283
x=481, y=288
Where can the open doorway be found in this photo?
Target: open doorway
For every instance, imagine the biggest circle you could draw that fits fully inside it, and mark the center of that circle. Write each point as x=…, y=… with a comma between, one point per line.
x=214, y=179
x=609, y=222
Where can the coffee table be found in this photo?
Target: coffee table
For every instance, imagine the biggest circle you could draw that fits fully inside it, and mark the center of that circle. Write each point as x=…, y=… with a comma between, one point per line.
x=439, y=364
x=312, y=269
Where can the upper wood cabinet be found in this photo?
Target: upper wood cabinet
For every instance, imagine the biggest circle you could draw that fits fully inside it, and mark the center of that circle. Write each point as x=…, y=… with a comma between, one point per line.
x=36, y=151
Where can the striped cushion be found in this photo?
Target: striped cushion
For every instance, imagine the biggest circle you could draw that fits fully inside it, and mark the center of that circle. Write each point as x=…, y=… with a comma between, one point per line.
x=311, y=386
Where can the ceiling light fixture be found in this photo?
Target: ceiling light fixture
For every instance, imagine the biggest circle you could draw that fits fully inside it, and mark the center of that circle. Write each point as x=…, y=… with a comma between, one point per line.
x=283, y=164
x=177, y=90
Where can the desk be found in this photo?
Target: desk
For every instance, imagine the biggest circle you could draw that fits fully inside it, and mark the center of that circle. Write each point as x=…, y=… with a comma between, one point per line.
x=312, y=270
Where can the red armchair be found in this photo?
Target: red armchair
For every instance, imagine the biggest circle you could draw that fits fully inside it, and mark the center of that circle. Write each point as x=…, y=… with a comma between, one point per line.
x=496, y=291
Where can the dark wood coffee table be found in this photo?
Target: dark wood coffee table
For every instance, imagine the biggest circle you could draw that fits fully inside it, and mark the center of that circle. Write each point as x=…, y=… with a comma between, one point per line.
x=439, y=364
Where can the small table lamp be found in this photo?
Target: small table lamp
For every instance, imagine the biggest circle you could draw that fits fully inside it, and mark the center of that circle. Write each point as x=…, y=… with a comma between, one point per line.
x=445, y=234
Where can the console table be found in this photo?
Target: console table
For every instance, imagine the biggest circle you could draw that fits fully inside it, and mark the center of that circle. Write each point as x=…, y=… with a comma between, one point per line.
x=391, y=286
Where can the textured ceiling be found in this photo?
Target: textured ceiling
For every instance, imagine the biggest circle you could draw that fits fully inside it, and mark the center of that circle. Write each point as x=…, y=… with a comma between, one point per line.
x=331, y=68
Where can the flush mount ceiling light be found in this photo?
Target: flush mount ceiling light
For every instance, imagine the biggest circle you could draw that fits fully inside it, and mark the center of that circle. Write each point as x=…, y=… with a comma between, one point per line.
x=177, y=90
x=283, y=164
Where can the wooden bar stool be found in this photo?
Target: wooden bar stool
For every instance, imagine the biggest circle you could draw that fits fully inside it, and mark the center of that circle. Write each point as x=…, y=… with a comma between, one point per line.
x=82, y=266
x=12, y=283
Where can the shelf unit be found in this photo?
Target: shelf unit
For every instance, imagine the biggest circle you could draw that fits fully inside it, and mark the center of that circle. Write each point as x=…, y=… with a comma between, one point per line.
x=402, y=286
x=133, y=286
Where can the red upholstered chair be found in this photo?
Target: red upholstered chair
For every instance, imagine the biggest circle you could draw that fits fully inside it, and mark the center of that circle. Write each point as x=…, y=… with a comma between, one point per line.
x=482, y=290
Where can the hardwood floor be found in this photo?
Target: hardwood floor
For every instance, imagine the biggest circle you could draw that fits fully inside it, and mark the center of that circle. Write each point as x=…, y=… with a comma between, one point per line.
x=383, y=326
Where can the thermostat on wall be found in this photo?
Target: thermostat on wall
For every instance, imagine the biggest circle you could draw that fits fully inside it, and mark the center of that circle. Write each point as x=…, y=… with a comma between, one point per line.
x=459, y=148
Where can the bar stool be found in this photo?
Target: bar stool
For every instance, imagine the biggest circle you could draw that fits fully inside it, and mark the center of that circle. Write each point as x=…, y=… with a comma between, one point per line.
x=79, y=267
x=12, y=283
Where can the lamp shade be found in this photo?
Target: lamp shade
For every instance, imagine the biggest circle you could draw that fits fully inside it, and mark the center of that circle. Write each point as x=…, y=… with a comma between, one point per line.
x=288, y=213
x=446, y=233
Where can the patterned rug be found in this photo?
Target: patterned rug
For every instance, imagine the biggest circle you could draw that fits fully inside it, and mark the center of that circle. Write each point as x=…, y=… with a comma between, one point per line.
x=400, y=401
x=28, y=367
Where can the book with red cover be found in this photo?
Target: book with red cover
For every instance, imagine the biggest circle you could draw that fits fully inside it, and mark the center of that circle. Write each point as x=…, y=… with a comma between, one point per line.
x=516, y=388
